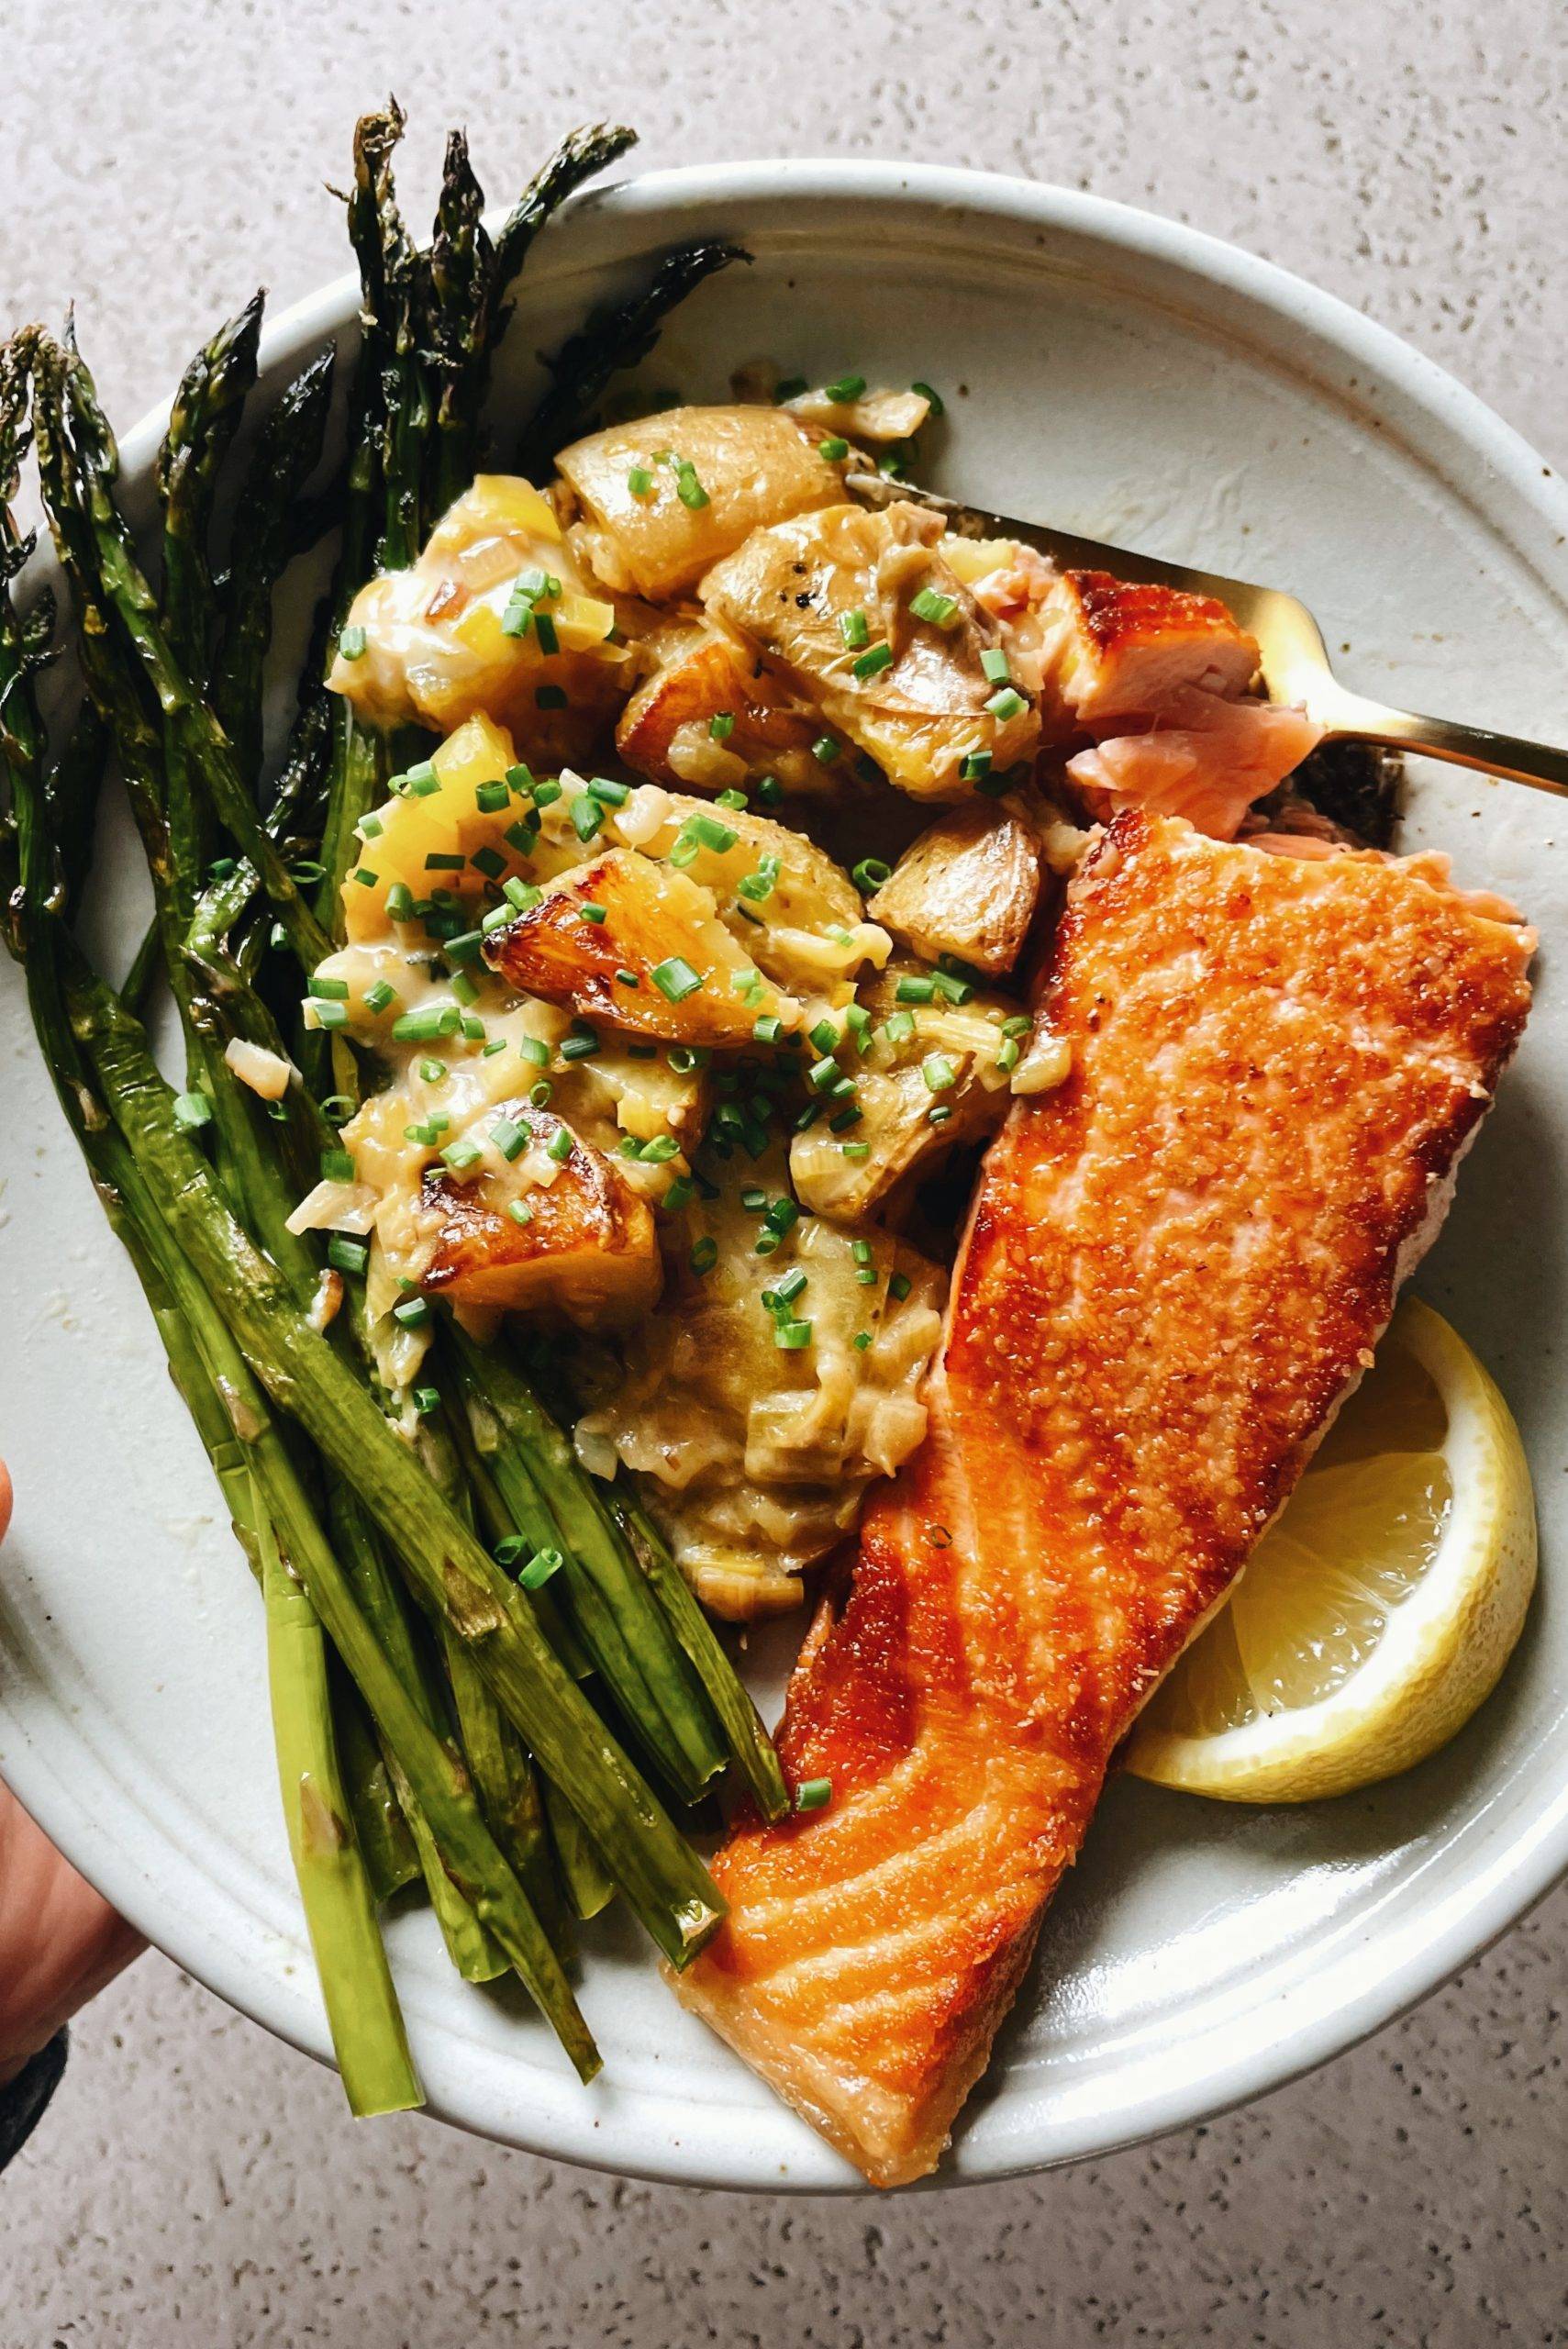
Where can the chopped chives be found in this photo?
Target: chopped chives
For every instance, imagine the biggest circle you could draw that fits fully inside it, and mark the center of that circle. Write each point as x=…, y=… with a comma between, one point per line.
x=933, y=400
x=950, y=983
x=870, y=874
x=682, y=1191
x=400, y=902
x=520, y=1210
x=427, y=1399
x=608, y=792
x=369, y=827
x=586, y=816
x=579, y=1047
x=855, y=1149
x=420, y=1027
x=939, y=1073
x=825, y=750
x=899, y=1027
x=498, y=918
x=900, y=1285
x=847, y=389
x=825, y=1036
x=939, y=1117
x=770, y=791
x=327, y=990
x=509, y=1549
x=440, y=860
x=591, y=910
x=855, y=630
x=532, y=1048
x=914, y=990
x=640, y=481
x=421, y=779
x=544, y=628
x=415, y=1311
x=675, y=979
x=546, y=789
x=834, y=449
x=973, y=765
x=1007, y=1056
x=790, y=1288
x=688, y=488
x=541, y=1093
x=871, y=663
x=351, y=643
x=731, y=799
x=380, y=997
x=685, y=1059
x=768, y=1028
x=508, y=1139
x=813, y=1794
x=1007, y=704
x=862, y=1339
x=993, y=661
x=490, y=797
x=330, y=1015
x=1018, y=1025
x=336, y=1166
x=559, y=1146
x=346, y=1255
x=703, y=1255
x=931, y=605
x=721, y=725
x=496, y=1044
x=540, y=1568
x=520, y=895
x=432, y=1071
x=792, y=1336
x=490, y=861
x=520, y=778
x=628, y=978
x=708, y=832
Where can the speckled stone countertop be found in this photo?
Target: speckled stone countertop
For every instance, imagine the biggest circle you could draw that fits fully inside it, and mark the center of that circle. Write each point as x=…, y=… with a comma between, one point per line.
x=198, y=2185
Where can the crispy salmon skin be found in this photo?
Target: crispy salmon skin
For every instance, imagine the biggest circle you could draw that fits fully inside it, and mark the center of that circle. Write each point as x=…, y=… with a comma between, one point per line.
x=1176, y=1266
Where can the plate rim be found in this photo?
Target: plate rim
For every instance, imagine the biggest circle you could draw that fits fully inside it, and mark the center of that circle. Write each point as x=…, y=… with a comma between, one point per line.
x=1495, y=1896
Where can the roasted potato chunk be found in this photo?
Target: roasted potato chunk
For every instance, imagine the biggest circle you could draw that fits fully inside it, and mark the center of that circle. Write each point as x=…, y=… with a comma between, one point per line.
x=789, y=906
x=938, y=1056
x=648, y=955
x=460, y=632
x=668, y=495
x=754, y=1456
x=967, y=887
x=861, y=616
x=666, y=731
x=523, y=1228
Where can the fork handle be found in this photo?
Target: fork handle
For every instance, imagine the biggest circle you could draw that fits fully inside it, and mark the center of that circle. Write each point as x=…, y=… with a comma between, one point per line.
x=1350, y=718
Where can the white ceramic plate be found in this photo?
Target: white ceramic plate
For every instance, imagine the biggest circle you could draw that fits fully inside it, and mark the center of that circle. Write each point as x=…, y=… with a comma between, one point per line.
x=1122, y=376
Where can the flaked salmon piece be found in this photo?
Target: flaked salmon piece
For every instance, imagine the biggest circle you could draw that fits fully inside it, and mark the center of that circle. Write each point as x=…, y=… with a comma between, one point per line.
x=1176, y=1265
x=1207, y=760
x=1118, y=650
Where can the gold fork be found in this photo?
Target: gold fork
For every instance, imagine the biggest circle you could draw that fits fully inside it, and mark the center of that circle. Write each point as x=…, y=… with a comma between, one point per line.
x=1295, y=662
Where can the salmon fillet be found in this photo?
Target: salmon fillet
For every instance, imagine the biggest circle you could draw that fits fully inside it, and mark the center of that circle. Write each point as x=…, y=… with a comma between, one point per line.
x=1176, y=1266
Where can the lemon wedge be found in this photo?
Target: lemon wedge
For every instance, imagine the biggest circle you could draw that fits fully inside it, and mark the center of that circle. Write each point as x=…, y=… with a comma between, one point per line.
x=1380, y=1608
